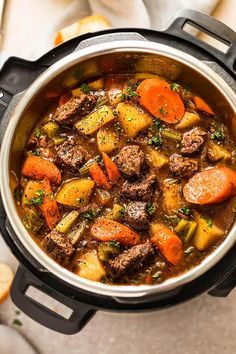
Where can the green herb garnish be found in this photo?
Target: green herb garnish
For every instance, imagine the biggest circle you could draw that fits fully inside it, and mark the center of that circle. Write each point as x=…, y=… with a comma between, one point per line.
x=163, y=111
x=155, y=140
x=122, y=211
x=85, y=88
x=174, y=87
x=17, y=322
x=218, y=134
x=158, y=124
x=38, y=200
x=36, y=152
x=208, y=221
x=114, y=243
x=185, y=210
x=38, y=133
x=150, y=208
x=90, y=214
x=77, y=74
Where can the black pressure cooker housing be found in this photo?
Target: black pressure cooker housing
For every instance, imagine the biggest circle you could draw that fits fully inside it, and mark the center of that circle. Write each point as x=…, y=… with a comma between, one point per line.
x=17, y=75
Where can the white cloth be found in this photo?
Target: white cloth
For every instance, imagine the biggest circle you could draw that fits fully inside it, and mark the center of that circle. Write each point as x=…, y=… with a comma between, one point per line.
x=12, y=342
x=155, y=14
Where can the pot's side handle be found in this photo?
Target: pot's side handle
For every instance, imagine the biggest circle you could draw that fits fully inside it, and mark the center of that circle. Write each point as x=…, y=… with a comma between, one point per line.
x=110, y=37
x=211, y=27
x=81, y=313
x=225, y=287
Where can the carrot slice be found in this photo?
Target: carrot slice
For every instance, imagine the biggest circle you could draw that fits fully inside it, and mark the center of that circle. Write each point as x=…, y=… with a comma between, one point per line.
x=99, y=176
x=37, y=168
x=201, y=105
x=168, y=243
x=210, y=186
x=111, y=168
x=110, y=230
x=157, y=97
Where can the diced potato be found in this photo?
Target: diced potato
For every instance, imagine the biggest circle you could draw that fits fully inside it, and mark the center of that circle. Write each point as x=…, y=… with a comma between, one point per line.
x=156, y=158
x=216, y=152
x=206, y=234
x=103, y=196
x=75, y=192
x=6, y=278
x=31, y=191
x=90, y=267
x=116, y=213
x=143, y=76
x=132, y=119
x=95, y=120
x=67, y=222
x=97, y=85
x=189, y=120
x=58, y=140
x=108, y=140
x=77, y=92
x=172, y=196
x=51, y=129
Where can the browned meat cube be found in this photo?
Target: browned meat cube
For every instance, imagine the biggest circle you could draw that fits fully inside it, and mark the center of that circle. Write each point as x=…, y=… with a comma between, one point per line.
x=58, y=246
x=193, y=140
x=131, y=259
x=130, y=161
x=182, y=166
x=74, y=109
x=137, y=215
x=71, y=156
x=140, y=190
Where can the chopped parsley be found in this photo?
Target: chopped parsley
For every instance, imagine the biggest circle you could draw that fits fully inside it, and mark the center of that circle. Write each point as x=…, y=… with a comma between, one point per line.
x=155, y=140
x=122, y=211
x=150, y=208
x=38, y=133
x=77, y=74
x=174, y=87
x=157, y=275
x=17, y=322
x=36, y=152
x=85, y=88
x=171, y=219
x=185, y=210
x=158, y=124
x=90, y=214
x=114, y=243
x=130, y=91
x=163, y=111
x=208, y=221
x=218, y=135
x=38, y=200
x=130, y=119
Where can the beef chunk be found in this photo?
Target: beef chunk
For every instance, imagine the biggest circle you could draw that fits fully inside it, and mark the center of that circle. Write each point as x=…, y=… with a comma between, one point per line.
x=137, y=215
x=75, y=108
x=140, y=190
x=182, y=166
x=58, y=246
x=193, y=140
x=132, y=259
x=71, y=156
x=130, y=160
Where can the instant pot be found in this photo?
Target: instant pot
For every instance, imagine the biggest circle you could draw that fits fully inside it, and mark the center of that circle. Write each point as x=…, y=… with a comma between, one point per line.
x=174, y=53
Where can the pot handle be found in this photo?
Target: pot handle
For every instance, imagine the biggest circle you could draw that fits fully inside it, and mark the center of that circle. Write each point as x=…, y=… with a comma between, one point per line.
x=211, y=27
x=225, y=287
x=80, y=315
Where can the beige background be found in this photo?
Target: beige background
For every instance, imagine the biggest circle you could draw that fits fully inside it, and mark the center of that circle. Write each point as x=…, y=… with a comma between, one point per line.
x=204, y=325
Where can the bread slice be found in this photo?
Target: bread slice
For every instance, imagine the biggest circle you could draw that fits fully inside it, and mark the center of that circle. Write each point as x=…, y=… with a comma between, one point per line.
x=88, y=24
x=6, y=277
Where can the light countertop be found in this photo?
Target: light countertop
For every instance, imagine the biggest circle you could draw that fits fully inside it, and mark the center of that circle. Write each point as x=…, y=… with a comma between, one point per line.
x=204, y=325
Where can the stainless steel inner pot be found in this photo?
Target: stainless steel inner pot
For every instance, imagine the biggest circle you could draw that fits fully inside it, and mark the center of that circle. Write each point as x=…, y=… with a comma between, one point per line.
x=124, y=56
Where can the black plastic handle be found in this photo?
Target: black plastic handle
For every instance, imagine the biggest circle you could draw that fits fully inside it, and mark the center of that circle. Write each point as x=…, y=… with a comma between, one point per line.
x=81, y=313
x=210, y=26
x=224, y=287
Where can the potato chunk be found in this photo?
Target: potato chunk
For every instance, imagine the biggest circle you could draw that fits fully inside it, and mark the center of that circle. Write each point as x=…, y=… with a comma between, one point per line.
x=132, y=119
x=75, y=192
x=108, y=140
x=90, y=267
x=172, y=196
x=156, y=158
x=189, y=120
x=95, y=120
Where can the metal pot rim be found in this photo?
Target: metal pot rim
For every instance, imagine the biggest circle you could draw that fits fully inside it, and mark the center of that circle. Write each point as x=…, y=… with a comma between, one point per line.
x=15, y=221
